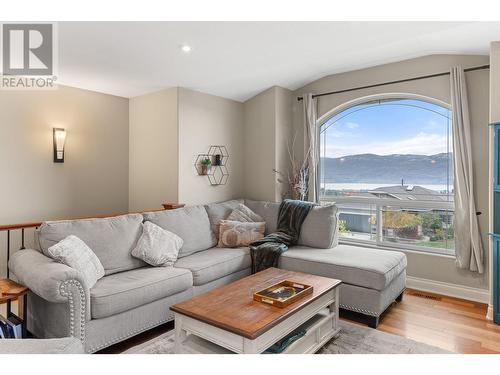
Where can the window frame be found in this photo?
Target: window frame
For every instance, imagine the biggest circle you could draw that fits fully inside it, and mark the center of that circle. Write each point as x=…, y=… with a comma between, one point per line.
x=381, y=203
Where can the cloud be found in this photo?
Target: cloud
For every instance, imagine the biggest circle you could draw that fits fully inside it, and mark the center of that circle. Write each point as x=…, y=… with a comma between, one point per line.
x=336, y=133
x=434, y=125
x=421, y=144
x=352, y=125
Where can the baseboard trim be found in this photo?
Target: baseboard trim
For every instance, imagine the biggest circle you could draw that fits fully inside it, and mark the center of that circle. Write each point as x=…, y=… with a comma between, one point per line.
x=489, y=314
x=447, y=289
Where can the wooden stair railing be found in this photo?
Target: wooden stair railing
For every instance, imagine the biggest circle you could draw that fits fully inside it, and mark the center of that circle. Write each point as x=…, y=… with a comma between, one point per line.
x=172, y=206
x=23, y=226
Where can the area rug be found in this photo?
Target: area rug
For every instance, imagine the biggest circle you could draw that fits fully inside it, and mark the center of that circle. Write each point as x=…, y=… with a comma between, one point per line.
x=353, y=339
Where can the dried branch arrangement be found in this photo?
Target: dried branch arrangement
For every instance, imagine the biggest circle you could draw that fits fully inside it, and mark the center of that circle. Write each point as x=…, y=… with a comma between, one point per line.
x=297, y=178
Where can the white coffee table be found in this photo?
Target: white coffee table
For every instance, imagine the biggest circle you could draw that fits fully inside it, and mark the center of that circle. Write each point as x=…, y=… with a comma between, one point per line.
x=227, y=319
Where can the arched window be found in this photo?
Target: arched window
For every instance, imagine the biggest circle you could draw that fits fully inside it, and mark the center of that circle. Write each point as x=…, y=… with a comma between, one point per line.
x=388, y=163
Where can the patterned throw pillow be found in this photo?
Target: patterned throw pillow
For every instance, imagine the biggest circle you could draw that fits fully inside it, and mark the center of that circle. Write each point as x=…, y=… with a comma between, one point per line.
x=157, y=246
x=75, y=253
x=243, y=213
x=237, y=233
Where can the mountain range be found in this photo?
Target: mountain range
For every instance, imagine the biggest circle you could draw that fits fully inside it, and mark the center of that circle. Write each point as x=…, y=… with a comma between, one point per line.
x=371, y=168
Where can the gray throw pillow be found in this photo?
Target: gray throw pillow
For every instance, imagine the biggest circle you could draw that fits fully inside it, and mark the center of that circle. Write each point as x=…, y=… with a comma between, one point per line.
x=244, y=214
x=157, y=246
x=75, y=253
x=220, y=211
x=319, y=229
x=269, y=212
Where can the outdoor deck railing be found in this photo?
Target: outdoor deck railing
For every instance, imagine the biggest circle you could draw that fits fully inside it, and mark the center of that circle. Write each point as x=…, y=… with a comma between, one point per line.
x=377, y=234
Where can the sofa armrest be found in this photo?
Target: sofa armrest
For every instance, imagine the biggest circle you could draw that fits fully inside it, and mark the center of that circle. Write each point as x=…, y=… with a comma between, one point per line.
x=42, y=275
x=54, y=282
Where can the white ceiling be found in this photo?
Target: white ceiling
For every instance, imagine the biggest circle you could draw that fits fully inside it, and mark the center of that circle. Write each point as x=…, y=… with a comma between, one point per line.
x=237, y=60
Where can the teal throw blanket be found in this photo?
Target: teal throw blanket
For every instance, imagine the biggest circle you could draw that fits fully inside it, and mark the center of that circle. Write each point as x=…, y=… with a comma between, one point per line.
x=266, y=252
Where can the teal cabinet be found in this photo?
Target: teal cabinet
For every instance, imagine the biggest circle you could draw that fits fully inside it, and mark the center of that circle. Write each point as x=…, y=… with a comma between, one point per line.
x=496, y=279
x=496, y=164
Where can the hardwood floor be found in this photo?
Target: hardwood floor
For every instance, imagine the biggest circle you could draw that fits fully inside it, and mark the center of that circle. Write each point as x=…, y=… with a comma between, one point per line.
x=137, y=340
x=450, y=323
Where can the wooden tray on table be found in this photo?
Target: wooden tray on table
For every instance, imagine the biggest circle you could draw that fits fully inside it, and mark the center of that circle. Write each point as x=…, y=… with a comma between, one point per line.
x=283, y=293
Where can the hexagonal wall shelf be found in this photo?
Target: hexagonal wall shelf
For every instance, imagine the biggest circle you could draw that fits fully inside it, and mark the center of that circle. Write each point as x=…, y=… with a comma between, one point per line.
x=219, y=176
x=219, y=155
x=216, y=169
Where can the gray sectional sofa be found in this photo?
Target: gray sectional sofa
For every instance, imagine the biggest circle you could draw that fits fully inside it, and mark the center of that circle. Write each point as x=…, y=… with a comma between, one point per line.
x=134, y=297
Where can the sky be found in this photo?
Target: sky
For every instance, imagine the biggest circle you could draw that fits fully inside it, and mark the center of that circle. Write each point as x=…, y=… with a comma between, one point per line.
x=392, y=127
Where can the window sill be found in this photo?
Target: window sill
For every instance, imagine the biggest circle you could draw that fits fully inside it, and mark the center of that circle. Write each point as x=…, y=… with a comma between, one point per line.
x=399, y=247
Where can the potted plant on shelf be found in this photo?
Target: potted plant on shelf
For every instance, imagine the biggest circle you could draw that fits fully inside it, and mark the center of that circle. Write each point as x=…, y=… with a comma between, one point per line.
x=205, y=165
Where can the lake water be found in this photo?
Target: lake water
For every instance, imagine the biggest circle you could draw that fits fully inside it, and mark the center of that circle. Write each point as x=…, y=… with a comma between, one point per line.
x=361, y=186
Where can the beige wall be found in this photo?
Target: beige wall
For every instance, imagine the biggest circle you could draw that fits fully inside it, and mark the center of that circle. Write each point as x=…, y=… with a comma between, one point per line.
x=94, y=177
x=268, y=131
x=153, y=174
x=168, y=129
x=284, y=132
x=259, y=147
x=423, y=265
x=206, y=120
x=495, y=82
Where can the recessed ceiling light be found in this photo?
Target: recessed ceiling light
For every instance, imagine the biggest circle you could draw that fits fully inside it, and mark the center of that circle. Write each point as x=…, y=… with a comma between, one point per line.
x=186, y=48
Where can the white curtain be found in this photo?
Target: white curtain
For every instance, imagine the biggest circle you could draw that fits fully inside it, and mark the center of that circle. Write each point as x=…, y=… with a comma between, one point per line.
x=468, y=245
x=311, y=146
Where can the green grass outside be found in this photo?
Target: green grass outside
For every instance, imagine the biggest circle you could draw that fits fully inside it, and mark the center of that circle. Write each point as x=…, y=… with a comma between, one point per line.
x=450, y=244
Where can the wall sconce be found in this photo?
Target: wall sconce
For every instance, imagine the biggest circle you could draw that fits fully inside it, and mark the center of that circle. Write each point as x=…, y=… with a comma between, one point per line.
x=59, y=141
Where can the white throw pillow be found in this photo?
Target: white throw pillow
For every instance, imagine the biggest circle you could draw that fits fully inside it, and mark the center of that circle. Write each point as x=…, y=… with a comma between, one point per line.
x=75, y=253
x=157, y=246
x=244, y=214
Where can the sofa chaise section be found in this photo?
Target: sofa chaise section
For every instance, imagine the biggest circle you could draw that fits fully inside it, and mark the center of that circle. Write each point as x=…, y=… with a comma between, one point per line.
x=371, y=279
x=361, y=266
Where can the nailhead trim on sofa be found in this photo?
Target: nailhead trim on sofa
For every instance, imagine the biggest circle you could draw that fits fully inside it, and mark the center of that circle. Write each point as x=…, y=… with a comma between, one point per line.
x=352, y=308
x=66, y=291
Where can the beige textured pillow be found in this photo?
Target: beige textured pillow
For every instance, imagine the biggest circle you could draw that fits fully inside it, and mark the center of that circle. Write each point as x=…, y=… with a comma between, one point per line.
x=75, y=253
x=157, y=246
x=237, y=233
x=243, y=213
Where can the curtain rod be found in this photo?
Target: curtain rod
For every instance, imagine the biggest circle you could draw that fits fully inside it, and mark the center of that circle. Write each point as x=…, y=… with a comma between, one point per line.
x=393, y=82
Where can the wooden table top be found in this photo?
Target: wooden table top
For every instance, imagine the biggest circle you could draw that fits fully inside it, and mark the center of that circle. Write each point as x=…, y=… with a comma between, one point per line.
x=231, y=307
x=10, y=290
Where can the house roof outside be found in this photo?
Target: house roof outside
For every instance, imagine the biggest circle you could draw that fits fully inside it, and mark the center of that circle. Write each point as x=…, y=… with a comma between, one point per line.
x=410, y=192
